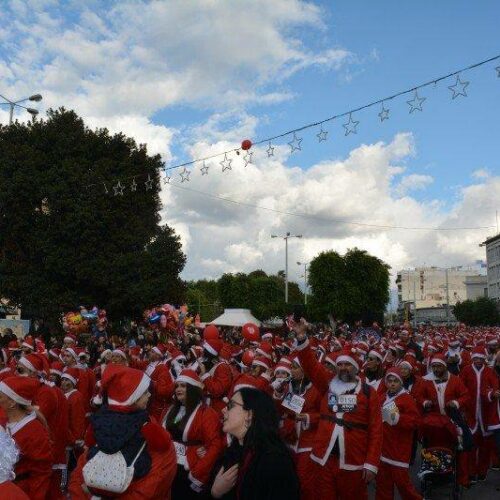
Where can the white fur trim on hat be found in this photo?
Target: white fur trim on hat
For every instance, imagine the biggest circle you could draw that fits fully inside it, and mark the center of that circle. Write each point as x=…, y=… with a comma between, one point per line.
x=138, y=392
x=477, y=355
x=438, y=360
x=72, y=352
x=343, y=358
x=56, y=372
x=189, y=380
x=258, y=362
x=120, y=353
x=210, y=349
x=13, y=395
x=377, y=354
x=157, y=351
x=23, y=361
x=395, y=375
x=237, y=387
x=70, y=378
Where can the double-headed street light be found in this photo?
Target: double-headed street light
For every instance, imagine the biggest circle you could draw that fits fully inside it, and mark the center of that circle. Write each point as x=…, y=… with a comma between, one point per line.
x=305, y=264
x=13, y=104
x=286, y=237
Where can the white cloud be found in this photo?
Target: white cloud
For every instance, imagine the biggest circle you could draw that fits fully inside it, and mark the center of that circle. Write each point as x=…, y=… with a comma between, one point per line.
x=480, y=173
x=413, y=182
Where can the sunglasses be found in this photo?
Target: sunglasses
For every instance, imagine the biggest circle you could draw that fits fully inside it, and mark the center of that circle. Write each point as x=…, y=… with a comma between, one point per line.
x=231, y=404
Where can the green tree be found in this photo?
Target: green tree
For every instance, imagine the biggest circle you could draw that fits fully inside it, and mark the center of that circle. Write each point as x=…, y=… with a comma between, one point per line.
x=480, y=312
x=353, y=286
x=63, y=240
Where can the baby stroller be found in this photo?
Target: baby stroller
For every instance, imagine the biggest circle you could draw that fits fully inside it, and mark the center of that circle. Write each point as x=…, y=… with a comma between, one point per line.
x=440, y=443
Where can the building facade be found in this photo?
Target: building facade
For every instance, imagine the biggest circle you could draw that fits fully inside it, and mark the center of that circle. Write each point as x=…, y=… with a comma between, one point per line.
x=476, y=287
x=493, y=266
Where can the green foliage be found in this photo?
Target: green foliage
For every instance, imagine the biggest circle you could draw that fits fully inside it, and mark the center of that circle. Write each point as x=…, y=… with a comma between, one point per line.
x=63, y=242
x=264, y=295
x=480, y=312
x=354, y=286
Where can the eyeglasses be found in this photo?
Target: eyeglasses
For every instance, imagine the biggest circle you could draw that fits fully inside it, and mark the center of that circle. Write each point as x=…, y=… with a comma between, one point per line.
x=21, y=371
x=232, y=403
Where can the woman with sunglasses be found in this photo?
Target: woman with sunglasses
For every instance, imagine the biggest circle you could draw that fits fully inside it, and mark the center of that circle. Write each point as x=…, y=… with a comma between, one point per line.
x=374, y=370
x=257, y=465
x=196, y=431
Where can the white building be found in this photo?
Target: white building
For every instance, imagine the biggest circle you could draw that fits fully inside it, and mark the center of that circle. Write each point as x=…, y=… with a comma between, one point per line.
x=493, y=266
x=476, y=287
x=433, y=286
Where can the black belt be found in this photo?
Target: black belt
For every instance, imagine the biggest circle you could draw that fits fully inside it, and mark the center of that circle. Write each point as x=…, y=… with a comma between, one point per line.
x=343, y=423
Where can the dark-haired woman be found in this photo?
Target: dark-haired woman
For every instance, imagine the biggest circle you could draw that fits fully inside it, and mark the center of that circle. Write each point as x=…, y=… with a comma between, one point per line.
x=257, y=465
x=196, y=431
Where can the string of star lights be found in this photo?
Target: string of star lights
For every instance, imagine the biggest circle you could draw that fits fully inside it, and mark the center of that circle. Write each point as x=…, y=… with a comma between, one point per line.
x=350, y=123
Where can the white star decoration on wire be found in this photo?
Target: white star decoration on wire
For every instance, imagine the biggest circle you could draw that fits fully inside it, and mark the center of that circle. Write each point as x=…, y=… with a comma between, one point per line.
x=118, y=189
x=459, y=88
x=416, y=102
x=226, y=163
x=384, y=113
x=295, y=143
x=350, y=126
x=270, y=151
x=204, y=169
x=166, y=179
x=149, y=183
x=185, y=175
x=133, y=186
x=322, y=135
x=248, y=158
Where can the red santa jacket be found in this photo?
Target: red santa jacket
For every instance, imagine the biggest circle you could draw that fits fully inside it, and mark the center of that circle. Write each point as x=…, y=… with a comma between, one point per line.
x=361, y=444
x=6, y=372
x=441, y=394
x=479, y=383
x=218, y=382
x=162, y=388
x=76, y=417
x=398, y=433
x=202, y=430
x=10, y=491
x=34, y=468
x=492, y=409
x=300, y=435
x=155, y=484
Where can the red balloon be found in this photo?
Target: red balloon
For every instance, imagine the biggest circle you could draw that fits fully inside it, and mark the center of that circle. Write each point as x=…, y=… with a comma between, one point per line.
x=246, y=144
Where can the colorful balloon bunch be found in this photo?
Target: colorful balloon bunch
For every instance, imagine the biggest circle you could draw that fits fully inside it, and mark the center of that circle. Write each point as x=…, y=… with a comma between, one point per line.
x=168, y=318
x=82, y=321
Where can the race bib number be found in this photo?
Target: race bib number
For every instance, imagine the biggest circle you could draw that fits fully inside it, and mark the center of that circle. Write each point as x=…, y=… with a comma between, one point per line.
x=347, y=403
x=332, y=402
x=389, y=412
x=180, y=451
x=293, y=402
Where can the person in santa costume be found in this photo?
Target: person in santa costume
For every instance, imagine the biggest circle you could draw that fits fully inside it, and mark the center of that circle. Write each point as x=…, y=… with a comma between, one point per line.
x=51, y=406
x=69, y=357
x=493, y=406
x=374, y=369
x=196, y=431
x=162, y=382
x=5, y=370
x=125, y=426
x=346, y=453
x=9, y=455
x=215, y=374
x=34, y=468
x=76, y=415
x=480, y=380
x=299, y=406
x=401, y=417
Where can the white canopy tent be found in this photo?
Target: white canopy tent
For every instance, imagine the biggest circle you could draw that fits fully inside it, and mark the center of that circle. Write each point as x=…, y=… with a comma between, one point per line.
x=235, y=317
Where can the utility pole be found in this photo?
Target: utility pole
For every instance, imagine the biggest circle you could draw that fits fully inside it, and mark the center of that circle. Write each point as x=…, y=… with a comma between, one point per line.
x=305, y=264
x=285, y=237
x=447, y=297
x=414, y=303
x=13, y=104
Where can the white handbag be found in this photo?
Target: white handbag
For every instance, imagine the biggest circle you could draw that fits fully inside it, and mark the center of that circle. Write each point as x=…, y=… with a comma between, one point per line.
x=109, y=472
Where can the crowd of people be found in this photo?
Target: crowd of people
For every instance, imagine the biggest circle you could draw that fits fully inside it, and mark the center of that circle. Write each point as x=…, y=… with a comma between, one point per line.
x=313, y=412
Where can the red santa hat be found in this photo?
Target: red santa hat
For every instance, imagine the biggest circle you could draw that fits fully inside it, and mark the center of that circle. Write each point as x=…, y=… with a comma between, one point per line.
x=35, y=362
x=453, y=341
x=376, y=352
x=190, y=377
x=56, y=367
x=395, y=371
x=213, y=346
x=438, y=358
x=210, y=332
x=177, y=355
x=13, y=345
x=479, y=352
x=347, y=356
x=282, y=367
x=29, y=343
x=120, y=351
x=70, y=338
x=159, y=349
x=265, y=349
x=124, y=385
x=331, y=358
x=72, y=351
x=197, y=351
x=245, y=381
x=251, y=332
x=262, y=361
x=55, y=352
x=268, y=336
x=72, y=374
x=22, y=390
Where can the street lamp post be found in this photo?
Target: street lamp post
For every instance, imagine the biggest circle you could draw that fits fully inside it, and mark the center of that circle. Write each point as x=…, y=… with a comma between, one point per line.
x=305, y=264
x=13, y=104
x=285, y=237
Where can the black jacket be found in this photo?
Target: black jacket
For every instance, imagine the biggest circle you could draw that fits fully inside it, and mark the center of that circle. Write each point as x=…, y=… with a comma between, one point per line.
x=269, y=475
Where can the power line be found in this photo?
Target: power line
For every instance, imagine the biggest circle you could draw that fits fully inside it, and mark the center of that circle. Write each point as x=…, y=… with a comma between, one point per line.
x=325, y=219
x=341, y=115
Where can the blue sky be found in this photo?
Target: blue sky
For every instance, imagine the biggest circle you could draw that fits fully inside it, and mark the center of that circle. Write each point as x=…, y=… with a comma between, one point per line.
x=192, y=79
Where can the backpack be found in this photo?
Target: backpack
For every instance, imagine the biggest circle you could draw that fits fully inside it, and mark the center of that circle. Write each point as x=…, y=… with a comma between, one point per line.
x=109, y=472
